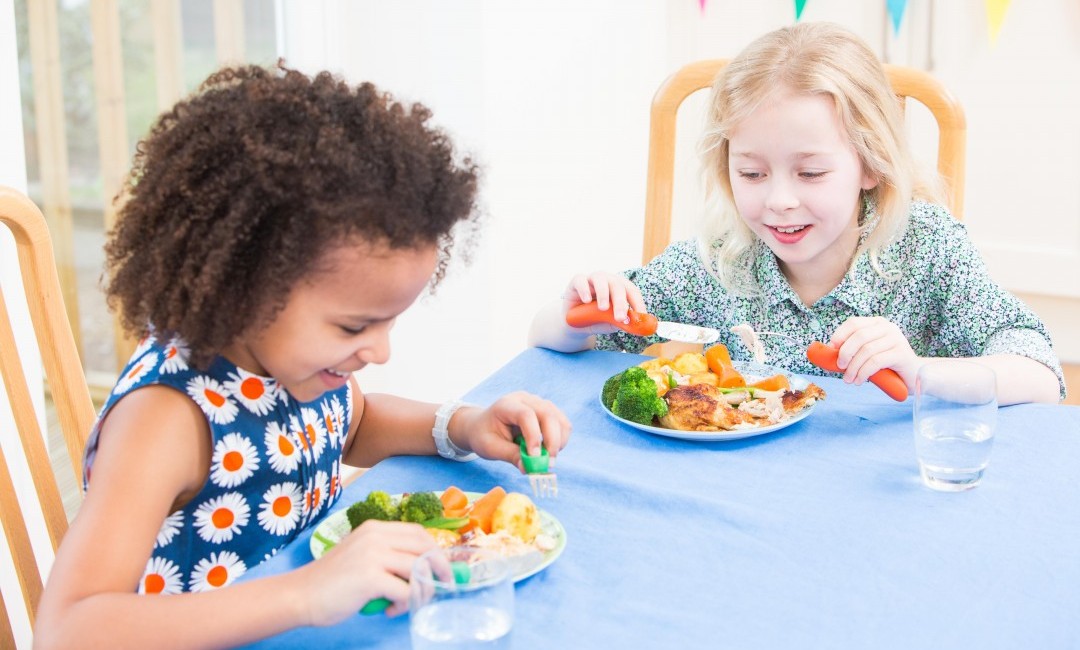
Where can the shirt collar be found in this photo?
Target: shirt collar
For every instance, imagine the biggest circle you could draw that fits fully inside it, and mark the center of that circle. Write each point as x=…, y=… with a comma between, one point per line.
x=863, y=291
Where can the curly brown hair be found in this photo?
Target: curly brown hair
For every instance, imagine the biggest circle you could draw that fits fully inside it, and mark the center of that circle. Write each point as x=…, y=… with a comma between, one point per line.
x=238, y=190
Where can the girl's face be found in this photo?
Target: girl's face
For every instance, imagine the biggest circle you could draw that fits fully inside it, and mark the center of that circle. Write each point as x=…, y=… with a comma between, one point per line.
x=338, y=320
x=796, y=180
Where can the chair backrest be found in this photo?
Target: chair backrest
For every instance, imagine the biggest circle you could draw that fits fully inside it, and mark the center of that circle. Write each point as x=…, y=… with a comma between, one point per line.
x=906, y=82
x=67, y=384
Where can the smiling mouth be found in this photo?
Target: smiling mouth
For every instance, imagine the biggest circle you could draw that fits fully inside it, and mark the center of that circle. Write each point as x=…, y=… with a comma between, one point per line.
x=337, y=373
x=787, y=230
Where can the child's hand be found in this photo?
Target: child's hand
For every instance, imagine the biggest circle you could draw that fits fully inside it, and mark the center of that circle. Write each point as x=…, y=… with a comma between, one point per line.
x=492, y=432
x=609, y=290
x=869, y=344
x=372, y=562
x=550, y=329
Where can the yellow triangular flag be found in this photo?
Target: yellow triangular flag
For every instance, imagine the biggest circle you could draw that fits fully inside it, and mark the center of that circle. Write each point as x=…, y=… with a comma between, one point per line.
x=995, y=15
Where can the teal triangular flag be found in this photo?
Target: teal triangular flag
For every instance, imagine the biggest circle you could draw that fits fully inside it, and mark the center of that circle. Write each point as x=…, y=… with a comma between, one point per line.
x=896, y=12
x=799, y=4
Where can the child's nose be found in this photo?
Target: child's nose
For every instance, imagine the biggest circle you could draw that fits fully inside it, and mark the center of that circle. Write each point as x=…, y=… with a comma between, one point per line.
x=781, y=196
x=376, y=351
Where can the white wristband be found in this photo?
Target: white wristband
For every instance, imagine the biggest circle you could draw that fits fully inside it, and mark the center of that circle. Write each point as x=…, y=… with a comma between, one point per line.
x=443, y=444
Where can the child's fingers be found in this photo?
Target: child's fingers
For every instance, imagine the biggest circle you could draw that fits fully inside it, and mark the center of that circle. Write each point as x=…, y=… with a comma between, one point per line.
x=555, y=427
x=610, y=291
x=633, y=294
x=373, y=561
x=581, y=288
x=624, y=296
x=393, y=537
x=603, y=294
x=527, y=421
x=869, y=358
x=866, y=345
x=849, y=338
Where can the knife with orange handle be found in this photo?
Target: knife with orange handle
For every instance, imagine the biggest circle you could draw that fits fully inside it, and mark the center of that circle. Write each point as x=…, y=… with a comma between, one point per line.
x=824, y=356
x=639, y=324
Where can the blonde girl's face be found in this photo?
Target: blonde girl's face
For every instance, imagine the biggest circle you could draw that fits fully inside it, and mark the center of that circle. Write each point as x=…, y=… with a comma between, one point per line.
x=796, y=181
x=338, y=320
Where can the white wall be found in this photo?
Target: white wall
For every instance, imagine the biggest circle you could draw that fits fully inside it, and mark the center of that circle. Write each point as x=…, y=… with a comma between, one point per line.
x=13, y=174
x=553, y=98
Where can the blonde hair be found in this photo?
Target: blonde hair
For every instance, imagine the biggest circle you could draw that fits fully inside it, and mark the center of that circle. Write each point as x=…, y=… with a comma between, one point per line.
x=816, y=59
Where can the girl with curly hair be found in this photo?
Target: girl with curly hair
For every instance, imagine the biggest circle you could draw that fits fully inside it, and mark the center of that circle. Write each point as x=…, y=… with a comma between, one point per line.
x=825, y=229
x=273, y=227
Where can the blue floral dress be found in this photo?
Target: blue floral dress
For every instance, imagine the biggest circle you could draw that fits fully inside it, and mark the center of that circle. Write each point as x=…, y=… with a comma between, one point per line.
x=943, y=299
x=275, y=467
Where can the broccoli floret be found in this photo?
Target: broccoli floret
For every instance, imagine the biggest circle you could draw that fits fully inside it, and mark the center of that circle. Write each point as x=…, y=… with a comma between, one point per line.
x=418, y=507
x=611, y=389
x=378, y=505
x=637, y=399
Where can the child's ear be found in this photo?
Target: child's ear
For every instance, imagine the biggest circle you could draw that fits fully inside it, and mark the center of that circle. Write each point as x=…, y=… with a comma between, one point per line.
x=869, y=181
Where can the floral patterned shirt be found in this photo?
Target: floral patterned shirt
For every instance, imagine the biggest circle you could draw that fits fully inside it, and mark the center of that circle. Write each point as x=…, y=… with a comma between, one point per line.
x=275, y=467
x=944, y=300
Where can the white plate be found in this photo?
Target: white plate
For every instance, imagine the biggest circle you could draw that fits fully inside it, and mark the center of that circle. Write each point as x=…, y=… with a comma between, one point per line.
x=753, y=372
x=334, y=528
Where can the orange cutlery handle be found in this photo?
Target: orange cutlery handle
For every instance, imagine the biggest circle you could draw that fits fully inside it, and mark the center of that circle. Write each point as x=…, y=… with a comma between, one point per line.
x=587, y=313
x=824, y=356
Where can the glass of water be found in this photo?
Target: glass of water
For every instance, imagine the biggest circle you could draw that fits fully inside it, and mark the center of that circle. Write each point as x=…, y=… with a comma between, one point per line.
x=955, y=417
x=460, y=598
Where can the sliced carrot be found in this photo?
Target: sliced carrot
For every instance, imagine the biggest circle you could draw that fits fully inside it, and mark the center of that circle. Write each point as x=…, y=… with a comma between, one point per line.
x=728, y=377
x=484, y=507
x=718, y=357
x=453, y=499
x=456, y=513
x=776, y=382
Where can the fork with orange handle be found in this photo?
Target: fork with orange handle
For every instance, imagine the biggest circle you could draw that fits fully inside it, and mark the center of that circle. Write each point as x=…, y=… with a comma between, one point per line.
x=887, y=379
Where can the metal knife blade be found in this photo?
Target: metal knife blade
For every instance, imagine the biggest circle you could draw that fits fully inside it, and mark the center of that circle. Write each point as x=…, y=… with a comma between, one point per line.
x=686, y=333
x=640, y=324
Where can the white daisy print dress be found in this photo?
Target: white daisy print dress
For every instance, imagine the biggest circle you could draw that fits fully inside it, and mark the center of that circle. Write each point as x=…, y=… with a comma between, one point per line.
x=275, y=468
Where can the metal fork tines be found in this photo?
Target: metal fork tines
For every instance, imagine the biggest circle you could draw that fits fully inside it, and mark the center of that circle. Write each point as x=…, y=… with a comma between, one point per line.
x=544, y=485
x=541, y=478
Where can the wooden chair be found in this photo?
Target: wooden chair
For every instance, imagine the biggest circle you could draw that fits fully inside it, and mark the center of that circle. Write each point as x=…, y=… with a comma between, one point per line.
x=907, y=82
x=64, y=374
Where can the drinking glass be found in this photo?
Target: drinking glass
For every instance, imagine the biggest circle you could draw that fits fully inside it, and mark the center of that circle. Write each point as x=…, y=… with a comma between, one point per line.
x=955, y=416
x=460, y=598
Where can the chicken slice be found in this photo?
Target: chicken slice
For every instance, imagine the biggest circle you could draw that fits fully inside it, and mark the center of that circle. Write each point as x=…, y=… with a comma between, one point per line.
x=701, y=407
x=796, y=400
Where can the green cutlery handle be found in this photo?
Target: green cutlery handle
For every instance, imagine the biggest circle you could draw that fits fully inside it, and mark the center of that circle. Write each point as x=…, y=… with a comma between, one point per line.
x=533, y=464
x=462, y=574
x=376, y=606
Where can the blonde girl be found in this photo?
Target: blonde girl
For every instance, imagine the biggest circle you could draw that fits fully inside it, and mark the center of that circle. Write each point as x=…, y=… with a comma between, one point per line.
x=824, y=230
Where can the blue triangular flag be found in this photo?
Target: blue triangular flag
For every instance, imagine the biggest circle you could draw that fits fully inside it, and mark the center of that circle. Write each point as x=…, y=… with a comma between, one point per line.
x=896, y=12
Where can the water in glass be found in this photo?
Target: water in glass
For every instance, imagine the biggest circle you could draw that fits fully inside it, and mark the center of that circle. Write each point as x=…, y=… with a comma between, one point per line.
x=953, y=453
x=460, y=625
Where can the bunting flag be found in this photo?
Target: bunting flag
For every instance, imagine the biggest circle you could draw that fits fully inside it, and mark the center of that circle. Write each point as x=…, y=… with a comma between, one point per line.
x=995, y=15
x=896, y=13
x=701, y=4
x=799, y=5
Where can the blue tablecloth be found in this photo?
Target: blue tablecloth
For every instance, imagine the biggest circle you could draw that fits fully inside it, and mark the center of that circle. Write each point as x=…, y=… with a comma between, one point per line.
x=819, y=535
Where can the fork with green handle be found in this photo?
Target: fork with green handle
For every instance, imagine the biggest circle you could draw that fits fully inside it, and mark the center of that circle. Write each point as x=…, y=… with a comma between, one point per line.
x=541, y=478
x=462, y=574
x=378, y=605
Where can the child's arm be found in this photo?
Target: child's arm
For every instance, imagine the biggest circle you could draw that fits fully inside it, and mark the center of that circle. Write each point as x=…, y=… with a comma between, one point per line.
x=549, y=328
x=154, y=453
x=1021, y=380
x=387, y=425
x=869, y=344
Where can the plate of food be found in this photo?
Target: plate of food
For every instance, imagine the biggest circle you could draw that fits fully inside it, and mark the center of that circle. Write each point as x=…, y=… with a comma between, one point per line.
x=708, y=397
x=507, y=522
